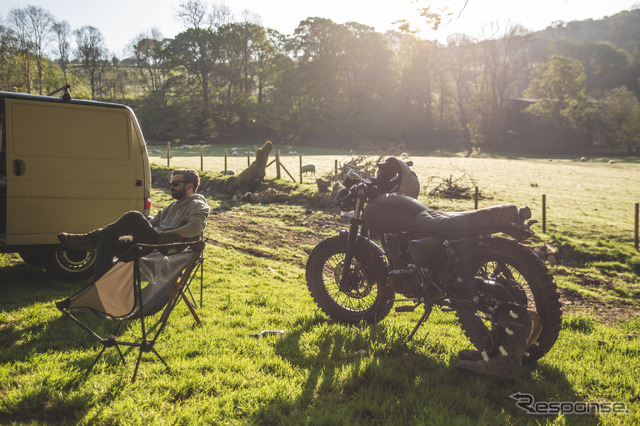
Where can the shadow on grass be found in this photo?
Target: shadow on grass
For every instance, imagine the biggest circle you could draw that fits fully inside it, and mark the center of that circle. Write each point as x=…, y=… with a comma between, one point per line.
x=400, y=382
x=23, y=285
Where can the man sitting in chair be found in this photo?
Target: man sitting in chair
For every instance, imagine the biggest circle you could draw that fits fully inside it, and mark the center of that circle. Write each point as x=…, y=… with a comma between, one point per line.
x=182, y=220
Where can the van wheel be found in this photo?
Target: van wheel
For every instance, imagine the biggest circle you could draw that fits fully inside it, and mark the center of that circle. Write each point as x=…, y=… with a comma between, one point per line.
x=69, y=264
x=33, y=258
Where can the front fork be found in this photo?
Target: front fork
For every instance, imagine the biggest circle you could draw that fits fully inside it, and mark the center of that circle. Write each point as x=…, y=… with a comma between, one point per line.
x=352, y=242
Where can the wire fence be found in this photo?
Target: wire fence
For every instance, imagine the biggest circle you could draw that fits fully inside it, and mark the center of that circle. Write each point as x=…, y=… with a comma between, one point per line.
x=597, y=198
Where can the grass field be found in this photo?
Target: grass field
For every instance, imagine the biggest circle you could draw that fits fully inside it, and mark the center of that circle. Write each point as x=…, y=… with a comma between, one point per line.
x=320, y=372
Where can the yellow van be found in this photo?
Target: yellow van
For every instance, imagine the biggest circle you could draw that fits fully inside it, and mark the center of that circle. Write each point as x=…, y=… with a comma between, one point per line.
x=66, y=166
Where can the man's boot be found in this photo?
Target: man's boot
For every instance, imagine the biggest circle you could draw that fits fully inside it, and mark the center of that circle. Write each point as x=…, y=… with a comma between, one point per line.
x=514, y=329
x=86, y=242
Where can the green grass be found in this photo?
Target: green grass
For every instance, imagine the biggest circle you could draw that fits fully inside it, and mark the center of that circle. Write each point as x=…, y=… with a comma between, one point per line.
x=319, y=372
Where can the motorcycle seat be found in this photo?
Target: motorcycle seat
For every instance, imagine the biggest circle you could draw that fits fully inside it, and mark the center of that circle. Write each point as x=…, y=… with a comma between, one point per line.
x=486, y=219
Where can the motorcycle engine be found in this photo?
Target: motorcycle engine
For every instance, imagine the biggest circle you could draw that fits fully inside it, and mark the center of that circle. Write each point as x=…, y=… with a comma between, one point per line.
x=405, y=281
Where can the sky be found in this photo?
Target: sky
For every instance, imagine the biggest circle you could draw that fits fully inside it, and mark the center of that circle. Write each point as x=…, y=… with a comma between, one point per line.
x=120, y=21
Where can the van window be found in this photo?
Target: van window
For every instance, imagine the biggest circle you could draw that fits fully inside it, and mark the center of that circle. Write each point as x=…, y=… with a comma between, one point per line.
x=70, y=131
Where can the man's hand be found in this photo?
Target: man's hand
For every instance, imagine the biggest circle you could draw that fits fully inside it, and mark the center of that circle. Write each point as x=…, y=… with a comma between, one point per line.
x=170, y=236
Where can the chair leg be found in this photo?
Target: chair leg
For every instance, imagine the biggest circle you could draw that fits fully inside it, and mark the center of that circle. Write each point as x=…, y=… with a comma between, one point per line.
x=107, y=343
x=147, y=347
x=160, y=358
x=135, y=372
x=190, y=306
x=104, y=347
x=121, y=356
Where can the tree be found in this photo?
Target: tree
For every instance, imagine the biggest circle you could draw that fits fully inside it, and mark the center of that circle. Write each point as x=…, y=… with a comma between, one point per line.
x=91, y=53
x=318, y=45
x=197, y=50
x=148, y=51
x=605, y=65
x=9, y=72
x=40, y=22
x=62, y=31
x=559, y=87
x=32, y=28
x=19, y=24
x=504, y=61
x=618, y=119
x=239, y=47
x=115, y=79
x=367, y=82
x=461, y=68
x=412, y=106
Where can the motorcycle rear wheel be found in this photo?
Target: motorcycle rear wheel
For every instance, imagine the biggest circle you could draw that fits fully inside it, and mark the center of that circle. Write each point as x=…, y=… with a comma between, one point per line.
x=369, y=297
x=526, y=279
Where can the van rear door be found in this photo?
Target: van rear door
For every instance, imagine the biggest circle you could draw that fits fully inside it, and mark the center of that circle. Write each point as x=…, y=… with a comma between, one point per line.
x=72, y=167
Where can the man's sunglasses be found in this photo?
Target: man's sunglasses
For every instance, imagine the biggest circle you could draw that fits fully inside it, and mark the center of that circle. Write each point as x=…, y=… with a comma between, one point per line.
x=176, y=182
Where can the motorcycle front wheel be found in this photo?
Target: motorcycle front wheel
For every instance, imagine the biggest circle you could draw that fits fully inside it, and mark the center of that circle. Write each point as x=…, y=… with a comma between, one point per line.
x=367, y=298
x=527, y=281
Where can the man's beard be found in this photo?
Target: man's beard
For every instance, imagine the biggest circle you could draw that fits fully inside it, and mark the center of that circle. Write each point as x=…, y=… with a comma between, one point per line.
x=179, y=194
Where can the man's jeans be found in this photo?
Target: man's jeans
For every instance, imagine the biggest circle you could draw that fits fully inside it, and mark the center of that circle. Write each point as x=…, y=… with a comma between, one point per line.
x=115, y=238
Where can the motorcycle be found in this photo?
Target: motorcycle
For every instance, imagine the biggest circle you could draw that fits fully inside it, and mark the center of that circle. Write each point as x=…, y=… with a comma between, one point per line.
x=397, y=250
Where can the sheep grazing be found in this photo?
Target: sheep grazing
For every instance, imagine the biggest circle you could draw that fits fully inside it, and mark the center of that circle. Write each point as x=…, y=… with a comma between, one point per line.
x=612, y=161
x=157, y=151
x=309, y=168
x=228, y=172
x=583, y=159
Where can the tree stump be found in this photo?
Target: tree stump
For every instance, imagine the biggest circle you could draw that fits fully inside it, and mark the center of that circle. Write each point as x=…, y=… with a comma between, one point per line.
x=252, y=177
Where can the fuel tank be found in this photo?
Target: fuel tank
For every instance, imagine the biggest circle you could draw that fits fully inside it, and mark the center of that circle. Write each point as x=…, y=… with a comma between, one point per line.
x=392, y=213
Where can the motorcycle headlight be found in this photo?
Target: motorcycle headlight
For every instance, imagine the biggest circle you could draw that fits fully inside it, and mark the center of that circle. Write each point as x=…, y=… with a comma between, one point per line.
x=345, y=201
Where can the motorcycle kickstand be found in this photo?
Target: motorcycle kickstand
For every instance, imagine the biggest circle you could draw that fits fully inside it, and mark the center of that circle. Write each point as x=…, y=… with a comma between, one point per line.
x=423, y=318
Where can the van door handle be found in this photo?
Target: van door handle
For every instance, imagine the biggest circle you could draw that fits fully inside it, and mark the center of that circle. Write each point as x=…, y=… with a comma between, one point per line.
x=18, y=167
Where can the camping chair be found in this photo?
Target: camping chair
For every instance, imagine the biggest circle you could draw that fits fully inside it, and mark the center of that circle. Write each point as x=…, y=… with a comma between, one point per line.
x=144, y=280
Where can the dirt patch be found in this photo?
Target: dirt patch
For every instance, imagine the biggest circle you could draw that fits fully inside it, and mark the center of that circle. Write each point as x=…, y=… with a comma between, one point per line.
x=574, y=303
x=284, y=233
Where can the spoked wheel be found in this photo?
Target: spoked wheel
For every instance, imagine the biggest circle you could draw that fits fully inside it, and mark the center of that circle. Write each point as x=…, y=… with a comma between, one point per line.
x=367, y=297
x=504, y=271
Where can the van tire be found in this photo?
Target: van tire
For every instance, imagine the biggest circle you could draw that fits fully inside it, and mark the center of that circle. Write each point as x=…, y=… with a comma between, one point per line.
x=69, y=264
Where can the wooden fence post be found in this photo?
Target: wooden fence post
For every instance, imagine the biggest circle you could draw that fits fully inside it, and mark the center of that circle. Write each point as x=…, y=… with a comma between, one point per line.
x=168, y=154
x=278, y=175
x=335, y=166
x=475, y=198
x=248, y=157
x=301, y=169
x=201, y=158
x=635, y=229
x=544, y=213
x=225, y=161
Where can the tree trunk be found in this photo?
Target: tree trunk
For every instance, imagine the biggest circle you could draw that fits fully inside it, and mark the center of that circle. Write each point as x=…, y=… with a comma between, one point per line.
x=251, y=178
